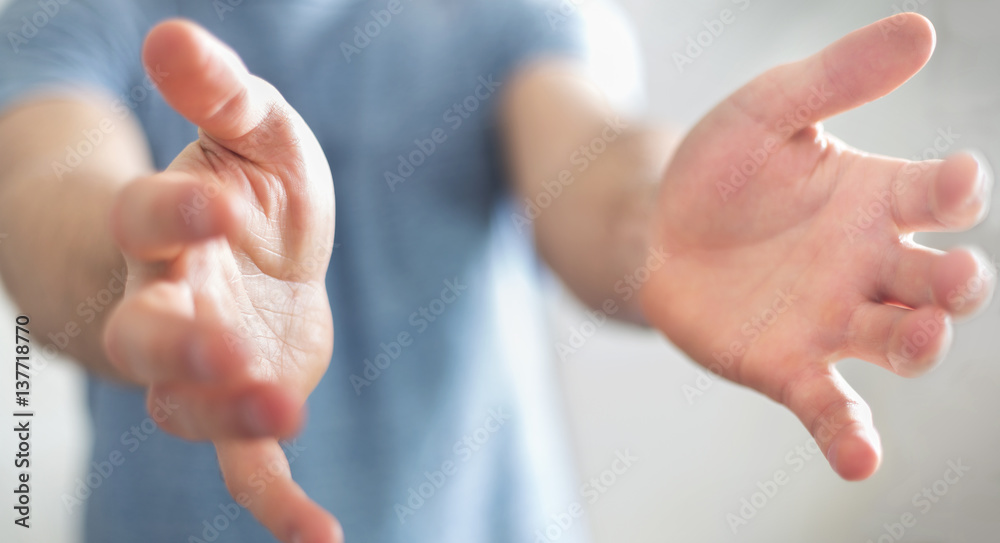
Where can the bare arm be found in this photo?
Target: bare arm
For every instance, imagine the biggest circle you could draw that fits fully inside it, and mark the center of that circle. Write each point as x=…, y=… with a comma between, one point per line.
x=225, y=312
x=59, y=258
x=771, y=279
x=601, y=174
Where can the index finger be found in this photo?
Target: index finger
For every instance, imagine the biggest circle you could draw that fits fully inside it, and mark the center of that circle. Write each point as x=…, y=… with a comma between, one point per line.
x=862, y=66
x=281, y=506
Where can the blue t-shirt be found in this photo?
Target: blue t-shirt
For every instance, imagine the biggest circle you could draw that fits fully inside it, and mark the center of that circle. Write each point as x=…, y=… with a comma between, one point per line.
x=434, y=422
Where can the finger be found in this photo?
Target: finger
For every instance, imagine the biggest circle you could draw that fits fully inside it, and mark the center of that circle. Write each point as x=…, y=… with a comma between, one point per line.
x=838, y=419
x=952, y=194
x=151, y=338
x=964, y=281
x=244, y=117
x=212, y=412
x=281, y=506
x=154, y=218
x=908, y=342
x=209, y=85
x=960, y=281
x=860, y=67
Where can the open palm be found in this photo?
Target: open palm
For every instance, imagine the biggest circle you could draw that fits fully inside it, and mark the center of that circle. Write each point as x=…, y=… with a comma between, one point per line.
x=791, y=250
x=225, y=312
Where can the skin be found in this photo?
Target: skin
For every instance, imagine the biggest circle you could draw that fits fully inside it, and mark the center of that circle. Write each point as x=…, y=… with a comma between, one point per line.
x=772, y=277
x=225, y=311
x=868, y=293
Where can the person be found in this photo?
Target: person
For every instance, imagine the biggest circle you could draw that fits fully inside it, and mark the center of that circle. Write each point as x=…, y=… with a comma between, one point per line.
x=135, y=143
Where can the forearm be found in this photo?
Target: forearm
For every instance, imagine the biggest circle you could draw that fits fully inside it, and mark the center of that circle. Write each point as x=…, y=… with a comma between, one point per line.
x=58, y=261
x=595, y=234
x=586, y=180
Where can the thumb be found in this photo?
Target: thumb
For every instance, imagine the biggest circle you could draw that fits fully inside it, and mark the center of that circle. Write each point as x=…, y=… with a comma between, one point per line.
x=838, y=419
x=208, y=84
x=861, y=67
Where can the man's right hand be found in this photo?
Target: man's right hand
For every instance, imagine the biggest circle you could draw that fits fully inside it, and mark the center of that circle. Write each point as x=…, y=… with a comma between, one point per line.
x=226, y=311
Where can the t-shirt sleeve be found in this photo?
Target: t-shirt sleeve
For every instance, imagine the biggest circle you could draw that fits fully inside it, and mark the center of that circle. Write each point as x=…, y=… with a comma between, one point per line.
x=595, y=34
x=536, y=29
x=69, y=46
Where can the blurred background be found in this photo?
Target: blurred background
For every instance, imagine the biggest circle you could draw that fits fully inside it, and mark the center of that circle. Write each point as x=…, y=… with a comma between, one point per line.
x=705, y=446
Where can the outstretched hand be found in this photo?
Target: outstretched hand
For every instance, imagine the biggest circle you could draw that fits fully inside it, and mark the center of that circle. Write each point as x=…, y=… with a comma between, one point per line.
x=790, y=250
x=225, y=311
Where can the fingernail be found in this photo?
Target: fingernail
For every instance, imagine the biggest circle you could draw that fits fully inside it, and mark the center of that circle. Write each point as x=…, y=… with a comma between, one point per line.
x=199, y=222
x=253, y=415
x=984, y=182
x=979, y=189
